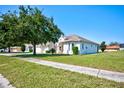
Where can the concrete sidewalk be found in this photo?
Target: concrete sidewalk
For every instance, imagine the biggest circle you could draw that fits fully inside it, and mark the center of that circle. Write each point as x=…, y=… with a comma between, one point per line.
x=4, y=83
x=110, y=75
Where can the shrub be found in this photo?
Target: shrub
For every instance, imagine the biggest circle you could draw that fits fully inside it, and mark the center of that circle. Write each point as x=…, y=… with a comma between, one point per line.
x=75, y=50
x=47, y=51
x=30, y=50
x=23, y=48
x=52, y=50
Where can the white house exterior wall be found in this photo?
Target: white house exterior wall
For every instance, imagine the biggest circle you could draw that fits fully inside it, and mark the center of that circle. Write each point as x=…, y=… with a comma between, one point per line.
x=91, y=48
x=88, y=48
x=121, y=48
x=41, y=48
x=67, y=49
x=27, y=47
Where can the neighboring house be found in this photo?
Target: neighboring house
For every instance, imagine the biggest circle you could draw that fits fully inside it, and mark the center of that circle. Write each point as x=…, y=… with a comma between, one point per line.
x=2, y=50
x=84, y=45
x=112, y=48
x=28, y=47
x=12, y=49
x=15, y=49
x=121, y=46
x=41, y=48
x=45, y=47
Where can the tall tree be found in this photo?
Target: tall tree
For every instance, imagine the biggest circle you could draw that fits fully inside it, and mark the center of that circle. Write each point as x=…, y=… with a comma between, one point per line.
x=54, y=32
x=103, y=46
x=35, y=28
x=9, y=21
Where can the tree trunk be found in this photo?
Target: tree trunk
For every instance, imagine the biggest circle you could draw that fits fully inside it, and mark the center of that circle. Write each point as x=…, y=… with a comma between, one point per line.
x=34, y=49
x=9, y=49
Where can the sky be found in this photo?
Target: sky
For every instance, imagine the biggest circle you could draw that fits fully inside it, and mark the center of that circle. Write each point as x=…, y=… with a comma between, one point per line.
x=96, y=23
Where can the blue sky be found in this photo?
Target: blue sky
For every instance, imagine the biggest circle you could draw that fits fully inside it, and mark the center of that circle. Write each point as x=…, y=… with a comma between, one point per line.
x=97, y=23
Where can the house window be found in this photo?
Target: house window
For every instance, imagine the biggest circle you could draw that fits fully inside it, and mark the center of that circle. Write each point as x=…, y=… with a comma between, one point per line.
x=86, y=47
x=91, y=45
x=82, y=46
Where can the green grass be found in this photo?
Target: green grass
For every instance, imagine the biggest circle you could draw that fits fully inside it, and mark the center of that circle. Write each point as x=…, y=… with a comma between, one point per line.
x=24, y=74
x=113, y=61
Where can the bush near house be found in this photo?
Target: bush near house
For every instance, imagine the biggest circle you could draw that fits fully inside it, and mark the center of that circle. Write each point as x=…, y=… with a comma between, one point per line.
x=30, y=50
x=47, y=51
x=52, y=50
x=23, y=48
x=75, y=50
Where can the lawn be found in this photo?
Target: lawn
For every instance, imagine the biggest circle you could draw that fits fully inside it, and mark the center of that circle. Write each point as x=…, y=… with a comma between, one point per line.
x=113, y=61
x=24, y=74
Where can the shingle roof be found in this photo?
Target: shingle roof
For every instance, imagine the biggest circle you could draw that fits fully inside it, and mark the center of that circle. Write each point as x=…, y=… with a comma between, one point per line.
x=76, y=38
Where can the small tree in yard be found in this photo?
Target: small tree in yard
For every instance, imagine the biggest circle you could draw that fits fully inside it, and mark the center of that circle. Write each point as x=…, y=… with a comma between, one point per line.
x=103, y=46
x=23, y=48
x=75, y=50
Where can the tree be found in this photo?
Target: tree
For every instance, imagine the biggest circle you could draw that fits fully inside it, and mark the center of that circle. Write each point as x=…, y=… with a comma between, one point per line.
x=35, y=28
x=114, y=43
x=2, y=43
x=54, y=32
x=29, y=26
x=103, y=46
x=9, y=21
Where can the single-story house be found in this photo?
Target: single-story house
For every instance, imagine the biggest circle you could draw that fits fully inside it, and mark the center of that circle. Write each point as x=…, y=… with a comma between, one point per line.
x=121, y=46
x=84, y=45
x=112, y=48
x=12, y=49
x=15, y=49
